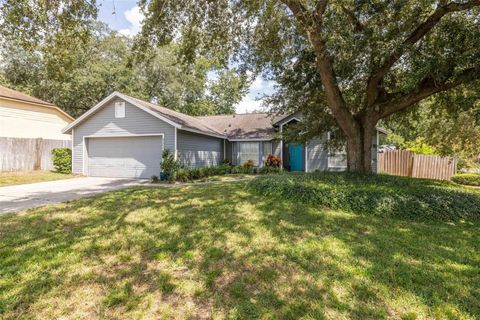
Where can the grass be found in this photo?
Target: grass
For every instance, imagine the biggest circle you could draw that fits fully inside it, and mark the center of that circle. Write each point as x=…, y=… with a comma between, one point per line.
x=226, y=178
x=14, y=178
x=217, y=251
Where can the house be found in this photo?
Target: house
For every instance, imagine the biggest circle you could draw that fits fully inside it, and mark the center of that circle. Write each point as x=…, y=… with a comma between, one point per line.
x=123, y=136
x=23, y=116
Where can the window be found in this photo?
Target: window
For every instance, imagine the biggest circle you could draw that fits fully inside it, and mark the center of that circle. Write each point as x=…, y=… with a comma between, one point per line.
x=338, y=158
x=119, y=109
x=249, y=151
x=267, y=150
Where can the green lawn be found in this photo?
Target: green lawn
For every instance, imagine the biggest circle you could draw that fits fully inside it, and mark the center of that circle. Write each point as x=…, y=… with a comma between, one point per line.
x=12, y=178
x=216, y=251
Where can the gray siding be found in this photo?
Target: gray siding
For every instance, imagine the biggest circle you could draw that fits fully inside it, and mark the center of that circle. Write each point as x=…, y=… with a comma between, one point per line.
x=317, y=155
x=195, y=150
x=104, y=123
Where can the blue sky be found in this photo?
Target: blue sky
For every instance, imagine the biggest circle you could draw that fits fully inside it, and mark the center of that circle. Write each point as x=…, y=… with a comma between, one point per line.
x=125, y=16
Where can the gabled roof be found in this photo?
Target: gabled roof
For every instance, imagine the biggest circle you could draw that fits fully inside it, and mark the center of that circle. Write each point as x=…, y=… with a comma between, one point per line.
x=255, y=126
x=11, y=94
x=174, y=118
x=185, y=121
x=17, y=95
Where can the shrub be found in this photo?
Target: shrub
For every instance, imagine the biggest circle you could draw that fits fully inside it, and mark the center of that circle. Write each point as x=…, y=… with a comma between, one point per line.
x=248, y=164
x=62, y=160
x=469, y=179
x=374, y=194
x=183, y=175
x=236, y=169
x=169, y=165
x=154, y=179
x=273, y=161
x=269, y=169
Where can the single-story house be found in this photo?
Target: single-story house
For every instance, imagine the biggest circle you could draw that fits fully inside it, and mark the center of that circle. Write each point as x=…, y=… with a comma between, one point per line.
x=123, y=136
x=24, y=116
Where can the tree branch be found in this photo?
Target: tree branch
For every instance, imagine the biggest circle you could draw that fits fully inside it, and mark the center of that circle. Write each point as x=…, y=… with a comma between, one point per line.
x=313, y=27
x=426, y=88
x=377, y=76
x=351, y=15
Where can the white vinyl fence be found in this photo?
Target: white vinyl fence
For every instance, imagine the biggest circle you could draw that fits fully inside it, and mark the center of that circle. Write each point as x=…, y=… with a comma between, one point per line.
x=25, y=154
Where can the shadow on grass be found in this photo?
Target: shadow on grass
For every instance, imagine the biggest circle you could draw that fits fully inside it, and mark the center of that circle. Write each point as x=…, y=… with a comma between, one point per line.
x=224, y=251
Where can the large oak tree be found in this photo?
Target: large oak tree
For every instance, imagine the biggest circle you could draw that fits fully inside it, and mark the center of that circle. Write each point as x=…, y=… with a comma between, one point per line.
x=354, y=61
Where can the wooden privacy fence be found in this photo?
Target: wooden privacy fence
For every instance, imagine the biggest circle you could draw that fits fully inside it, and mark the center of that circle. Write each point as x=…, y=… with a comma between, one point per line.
x=25, y=154
x=408, y=164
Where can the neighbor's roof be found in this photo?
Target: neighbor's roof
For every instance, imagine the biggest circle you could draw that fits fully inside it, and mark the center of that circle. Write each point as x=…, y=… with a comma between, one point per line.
x=17, y=95
x=11, y=94
x=243, y=126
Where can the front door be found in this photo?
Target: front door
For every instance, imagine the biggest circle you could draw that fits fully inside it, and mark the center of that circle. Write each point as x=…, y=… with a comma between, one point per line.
x=295, y=152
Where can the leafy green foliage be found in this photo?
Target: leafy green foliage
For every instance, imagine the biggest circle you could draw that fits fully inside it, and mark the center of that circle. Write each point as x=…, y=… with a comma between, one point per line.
x=468, y=179
x=186, y=174
x=419, y=146
x=62, y=160
x=169, y=165
x=104, y=62
x=450, y=132
x=374, y=194
x=342, y=63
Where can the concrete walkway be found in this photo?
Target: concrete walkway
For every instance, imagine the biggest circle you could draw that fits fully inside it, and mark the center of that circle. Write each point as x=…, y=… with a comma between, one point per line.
x=25, y=196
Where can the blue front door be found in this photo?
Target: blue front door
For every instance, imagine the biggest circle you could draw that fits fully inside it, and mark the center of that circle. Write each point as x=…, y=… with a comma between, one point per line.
x=295, y=151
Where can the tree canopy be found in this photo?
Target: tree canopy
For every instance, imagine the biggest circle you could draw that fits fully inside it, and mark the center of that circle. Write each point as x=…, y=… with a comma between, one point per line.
x=74, y=61
x=351, y=63
x=438, y=128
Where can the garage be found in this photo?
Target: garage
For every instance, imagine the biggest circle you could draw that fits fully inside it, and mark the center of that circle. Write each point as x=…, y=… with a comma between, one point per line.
x=124, y=157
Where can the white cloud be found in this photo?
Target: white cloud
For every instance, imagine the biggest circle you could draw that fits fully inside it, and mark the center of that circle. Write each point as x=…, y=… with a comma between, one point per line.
x=248, y=104
x=135, y=17
x=257, y=84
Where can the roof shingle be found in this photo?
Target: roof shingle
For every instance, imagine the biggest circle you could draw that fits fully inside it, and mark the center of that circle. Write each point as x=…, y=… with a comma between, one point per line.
x=16, y=95
x=182, y=119
x=243, y=126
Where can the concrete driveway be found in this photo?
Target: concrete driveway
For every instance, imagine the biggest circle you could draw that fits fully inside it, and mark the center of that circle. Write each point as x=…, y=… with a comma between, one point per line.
x=16, y=198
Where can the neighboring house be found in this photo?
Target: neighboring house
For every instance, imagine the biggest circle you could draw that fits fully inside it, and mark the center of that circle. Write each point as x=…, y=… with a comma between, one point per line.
x=23, y=116
x=124, y=137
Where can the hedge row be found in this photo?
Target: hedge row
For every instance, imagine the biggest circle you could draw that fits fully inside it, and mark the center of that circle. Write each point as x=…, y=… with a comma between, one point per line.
x=185, y=174
x=374, y=194
x=468, y=179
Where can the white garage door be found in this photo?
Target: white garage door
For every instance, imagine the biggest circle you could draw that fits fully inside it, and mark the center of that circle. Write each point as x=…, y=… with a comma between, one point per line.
x=124, y=157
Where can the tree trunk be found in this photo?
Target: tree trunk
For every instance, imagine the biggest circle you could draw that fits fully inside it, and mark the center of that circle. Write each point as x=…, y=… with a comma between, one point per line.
x=359, y=147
